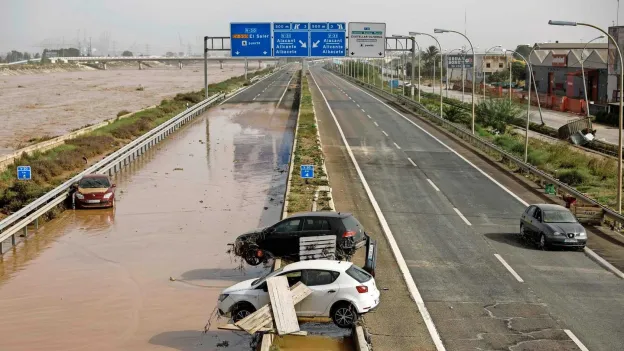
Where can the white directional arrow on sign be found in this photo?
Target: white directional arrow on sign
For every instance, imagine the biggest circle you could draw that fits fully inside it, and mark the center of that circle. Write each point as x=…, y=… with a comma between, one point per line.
x=315, y=44
x=265, y=52
x=238, y=52
x=303, y=45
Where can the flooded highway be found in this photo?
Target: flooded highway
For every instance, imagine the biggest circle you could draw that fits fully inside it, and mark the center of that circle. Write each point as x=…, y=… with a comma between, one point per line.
x=146, y=275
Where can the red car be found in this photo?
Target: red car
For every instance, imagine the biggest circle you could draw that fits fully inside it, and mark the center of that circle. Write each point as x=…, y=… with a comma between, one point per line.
x=95, y=190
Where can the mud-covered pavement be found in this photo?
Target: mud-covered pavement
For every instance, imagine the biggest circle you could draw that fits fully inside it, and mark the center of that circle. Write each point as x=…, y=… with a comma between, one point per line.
x=52, y=104
x=147, y=275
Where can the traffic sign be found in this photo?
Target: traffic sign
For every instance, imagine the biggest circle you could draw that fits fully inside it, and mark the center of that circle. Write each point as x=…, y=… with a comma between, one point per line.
x=367, y=39
x=300, y=26
x=23, y=173
x=337, y=26
x=307, y=171
x=281, y=26
x=319, y=26
x=250, y=39
x=455, y=61
x=327, y=44
x=291, y=43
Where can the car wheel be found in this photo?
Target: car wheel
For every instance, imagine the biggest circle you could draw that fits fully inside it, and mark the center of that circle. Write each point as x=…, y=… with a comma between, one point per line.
x=542, y=244
x=241, y=311
x=344, y=315
x=522, y=232
x=251, y=257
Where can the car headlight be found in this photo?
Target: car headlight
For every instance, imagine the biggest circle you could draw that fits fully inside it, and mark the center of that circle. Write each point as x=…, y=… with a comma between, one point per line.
x=79, y=196
x=557, y=233
x=108, y=195
x=223, y=297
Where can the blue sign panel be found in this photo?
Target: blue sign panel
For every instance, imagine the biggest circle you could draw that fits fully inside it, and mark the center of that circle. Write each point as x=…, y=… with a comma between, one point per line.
x=300, y=26
x=327, y=44
x=307, y=171
x=281, y=26
x=23, y=173
x=337, y=26
x=250, y=39
x=291, y=44
x=318, y=26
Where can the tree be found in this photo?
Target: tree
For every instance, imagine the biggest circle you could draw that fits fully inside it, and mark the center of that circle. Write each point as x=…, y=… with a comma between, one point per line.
x=518, y=70
x=37, y=55
x=523, y=50
x=497, y=113
x=170, y=54
x=27, y=56
x=430, y=53
x=127, y=53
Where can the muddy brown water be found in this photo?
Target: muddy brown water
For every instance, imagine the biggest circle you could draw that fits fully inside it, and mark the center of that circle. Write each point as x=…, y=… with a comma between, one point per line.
x=146, y=275
x=52, y=104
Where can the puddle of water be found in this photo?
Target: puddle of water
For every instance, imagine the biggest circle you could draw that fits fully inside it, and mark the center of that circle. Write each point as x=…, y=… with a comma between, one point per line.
x=314, y=342
x=148, y=273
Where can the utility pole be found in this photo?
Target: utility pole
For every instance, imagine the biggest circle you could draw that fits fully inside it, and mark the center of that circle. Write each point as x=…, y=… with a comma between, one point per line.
x=90, y=48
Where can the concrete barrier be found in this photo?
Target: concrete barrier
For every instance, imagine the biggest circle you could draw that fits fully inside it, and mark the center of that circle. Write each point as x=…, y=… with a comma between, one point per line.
x=7, y=160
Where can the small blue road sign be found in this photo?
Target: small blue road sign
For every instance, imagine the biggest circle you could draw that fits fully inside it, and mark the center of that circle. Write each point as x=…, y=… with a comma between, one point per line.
x=250, y=39
x=319, y=25
x=23, y=173
x=328, y=44
x=307, y=171
x=337, y=26
x=291, y=44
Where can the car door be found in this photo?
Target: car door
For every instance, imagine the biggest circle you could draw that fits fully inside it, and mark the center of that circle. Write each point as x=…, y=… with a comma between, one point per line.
x=324, y=292
x=526, y=218
x=283, y=238
x=313, y=227
x=536, y=223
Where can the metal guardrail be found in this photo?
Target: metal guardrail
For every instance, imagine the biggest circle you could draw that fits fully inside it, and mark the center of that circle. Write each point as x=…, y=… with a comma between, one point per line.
x=488, y=146
x=20, y=220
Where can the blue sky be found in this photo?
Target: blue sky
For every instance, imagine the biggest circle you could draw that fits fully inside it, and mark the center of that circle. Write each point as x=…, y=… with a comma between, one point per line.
x=158, y=24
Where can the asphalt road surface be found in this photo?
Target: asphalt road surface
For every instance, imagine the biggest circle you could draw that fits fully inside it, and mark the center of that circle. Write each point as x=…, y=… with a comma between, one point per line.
x=146, y=275
x=457, y=230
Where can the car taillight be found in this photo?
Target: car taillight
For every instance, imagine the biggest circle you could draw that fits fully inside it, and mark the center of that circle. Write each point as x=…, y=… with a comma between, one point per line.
x=362, y=289
x=348, y=234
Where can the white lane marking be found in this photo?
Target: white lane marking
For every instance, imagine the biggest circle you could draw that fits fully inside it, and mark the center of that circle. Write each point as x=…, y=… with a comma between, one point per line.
x=247, y=87
x=576, y=340
x=376, y=124
x=397, y=146
x=433, y=185
x=254, y=99
x=363, y=110
x=386, y=134
x=284, y=93
x=601, y=261
x=412, y=162
x=462, y=216
x=443, y=144
x=369, y=116
x=407, y=276
x=358, y=105
x=511, y=270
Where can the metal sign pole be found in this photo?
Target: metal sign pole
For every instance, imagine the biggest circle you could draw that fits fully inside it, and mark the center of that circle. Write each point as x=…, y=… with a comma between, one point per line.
x=206, y=66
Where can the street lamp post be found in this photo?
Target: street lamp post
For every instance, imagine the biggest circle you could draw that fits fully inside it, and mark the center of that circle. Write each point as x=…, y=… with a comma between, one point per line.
x=566, y=23
x=583, y=70
x=437, y=30
x=483, y=62
x=402, y=64
x=539, y=104
x=440, y=50
x=526, y=132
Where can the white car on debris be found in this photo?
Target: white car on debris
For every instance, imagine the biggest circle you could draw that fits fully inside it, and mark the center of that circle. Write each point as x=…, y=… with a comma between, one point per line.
x=340, y=290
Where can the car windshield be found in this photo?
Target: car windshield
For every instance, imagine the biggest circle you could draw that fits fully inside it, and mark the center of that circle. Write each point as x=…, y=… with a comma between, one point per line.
x=265, y=276
x=94, y=183
x=559, y=217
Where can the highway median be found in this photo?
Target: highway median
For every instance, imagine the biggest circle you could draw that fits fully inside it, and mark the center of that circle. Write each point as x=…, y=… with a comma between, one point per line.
x=314, y=193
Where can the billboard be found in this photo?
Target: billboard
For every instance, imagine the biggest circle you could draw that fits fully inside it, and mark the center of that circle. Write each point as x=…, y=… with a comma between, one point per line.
x=455, y=61
x=613, y=62
x=559, y=60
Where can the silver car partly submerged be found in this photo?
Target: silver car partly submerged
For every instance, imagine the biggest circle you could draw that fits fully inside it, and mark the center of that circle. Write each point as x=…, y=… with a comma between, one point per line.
x=552, y=226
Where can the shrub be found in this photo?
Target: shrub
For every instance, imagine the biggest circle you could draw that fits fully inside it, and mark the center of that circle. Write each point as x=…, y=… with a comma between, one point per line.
x=497, y=113
x=537, y=157
x=20, y=194
x=455, y=114
x=122, y=113
x=602, y=167
x=574, y=176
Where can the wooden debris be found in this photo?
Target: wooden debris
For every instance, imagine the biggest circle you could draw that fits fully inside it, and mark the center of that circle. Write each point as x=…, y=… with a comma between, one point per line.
x=282, y=305
x=315, y=247
x=259, y=319
x=265, y=330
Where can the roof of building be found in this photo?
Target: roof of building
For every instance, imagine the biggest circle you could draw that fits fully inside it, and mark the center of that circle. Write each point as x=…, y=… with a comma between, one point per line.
x=570, y=46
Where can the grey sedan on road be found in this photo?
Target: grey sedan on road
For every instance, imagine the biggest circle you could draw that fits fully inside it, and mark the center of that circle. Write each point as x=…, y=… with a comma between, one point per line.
x=552, y=225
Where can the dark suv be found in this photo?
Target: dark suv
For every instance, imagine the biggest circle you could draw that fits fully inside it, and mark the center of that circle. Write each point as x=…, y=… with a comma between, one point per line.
x=303, y=234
